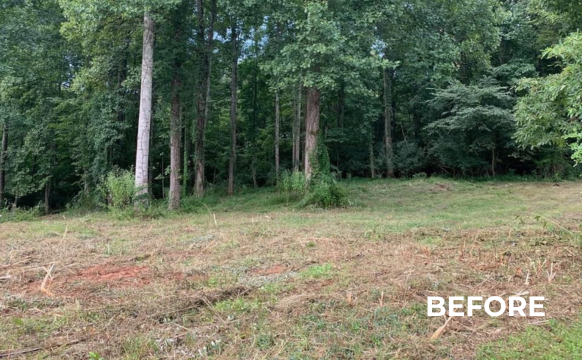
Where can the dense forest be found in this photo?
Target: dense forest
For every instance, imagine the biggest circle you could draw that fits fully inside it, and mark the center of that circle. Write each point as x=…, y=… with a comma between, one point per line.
x=191, y=96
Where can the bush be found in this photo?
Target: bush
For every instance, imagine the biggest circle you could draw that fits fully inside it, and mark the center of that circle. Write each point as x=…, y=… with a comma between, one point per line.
x=409, y=158
x=119, y=187
x=19, y=214
x=326, y=193
x=292, y=183
x=322, y=191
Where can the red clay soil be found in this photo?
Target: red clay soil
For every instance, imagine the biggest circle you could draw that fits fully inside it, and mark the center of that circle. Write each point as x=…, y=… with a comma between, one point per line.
x=111, y=273
x=72, y=284
x=278, y=269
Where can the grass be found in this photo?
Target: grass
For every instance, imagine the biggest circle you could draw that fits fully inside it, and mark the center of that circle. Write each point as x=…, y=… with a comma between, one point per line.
x=255, y=277
x=553, y=342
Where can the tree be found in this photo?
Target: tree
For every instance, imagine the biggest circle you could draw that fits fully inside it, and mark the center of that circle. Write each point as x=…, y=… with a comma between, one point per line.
x=551, y=113
x=145, y=109
x=318, y=57
x=206, y=42
x=233, y=106
x=388, y=116
x=3, y=152
x=475, y=125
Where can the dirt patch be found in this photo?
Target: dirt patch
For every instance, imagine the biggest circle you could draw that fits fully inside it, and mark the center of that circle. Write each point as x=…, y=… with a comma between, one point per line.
x=278, y=269
x=109, y=273
x=74, y=284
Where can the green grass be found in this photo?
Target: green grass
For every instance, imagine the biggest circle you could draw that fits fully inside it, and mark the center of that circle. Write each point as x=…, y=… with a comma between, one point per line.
x=552, y=342
x=317, y=271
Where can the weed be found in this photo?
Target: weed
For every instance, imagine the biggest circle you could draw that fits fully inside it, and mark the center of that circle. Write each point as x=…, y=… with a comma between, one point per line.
x=317, y=271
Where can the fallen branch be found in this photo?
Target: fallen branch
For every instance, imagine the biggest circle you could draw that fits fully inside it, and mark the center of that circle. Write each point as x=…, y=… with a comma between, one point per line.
x=437, y=334
x=14, y=353
x=8, y=266
x=45, y=282
x=10, y=354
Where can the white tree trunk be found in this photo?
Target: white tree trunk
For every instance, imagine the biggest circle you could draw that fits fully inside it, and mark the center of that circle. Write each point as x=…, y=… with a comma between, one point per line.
x=145, y=111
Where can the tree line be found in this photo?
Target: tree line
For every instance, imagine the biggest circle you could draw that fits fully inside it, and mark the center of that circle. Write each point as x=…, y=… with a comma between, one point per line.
x=192, y=95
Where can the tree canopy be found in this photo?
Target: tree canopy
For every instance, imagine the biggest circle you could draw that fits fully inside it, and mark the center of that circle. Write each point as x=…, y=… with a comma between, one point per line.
x=242, y=91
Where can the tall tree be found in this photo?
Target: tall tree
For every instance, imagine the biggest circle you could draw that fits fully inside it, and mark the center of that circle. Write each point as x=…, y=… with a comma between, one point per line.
x=3, y=153
x=175, y=142
x=277, y=134
x=206, y=42
x=233, y=105
x=297, y=129
x=145, y=109
x=388, y=118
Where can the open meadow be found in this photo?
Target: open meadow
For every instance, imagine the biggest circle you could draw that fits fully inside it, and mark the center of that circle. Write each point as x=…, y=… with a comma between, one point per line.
x=255, y=277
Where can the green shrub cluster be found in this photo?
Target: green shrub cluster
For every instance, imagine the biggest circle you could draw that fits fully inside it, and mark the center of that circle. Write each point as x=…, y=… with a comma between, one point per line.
x=325, y=192
x=293, y=183
x=322, y=191
x=119, y=189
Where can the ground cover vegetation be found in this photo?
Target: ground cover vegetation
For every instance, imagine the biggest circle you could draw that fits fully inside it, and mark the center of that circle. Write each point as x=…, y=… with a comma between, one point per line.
x=253, y=276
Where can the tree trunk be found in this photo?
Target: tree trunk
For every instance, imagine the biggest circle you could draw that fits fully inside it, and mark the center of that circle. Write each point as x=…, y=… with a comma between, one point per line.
x=341, y=106
x=151, y=163
x=311, y=129
x=372, y=159
x=388, y=115
x=277, y=125
x=187, y=154
x=203, y=94
x=145, y=112
x=297, y=132
x=3, y=153
x=493, y=160
x=255, y=118
x=175, y=144
x=201, y=108
x=47, y=196
x=233, y=109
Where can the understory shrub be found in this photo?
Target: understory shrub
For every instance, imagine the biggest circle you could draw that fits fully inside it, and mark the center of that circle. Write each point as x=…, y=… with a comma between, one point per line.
x=324, y=190
x=292, y=183
x=409, y=158
x=20, y=214
x=119, y=187
x=326, y=193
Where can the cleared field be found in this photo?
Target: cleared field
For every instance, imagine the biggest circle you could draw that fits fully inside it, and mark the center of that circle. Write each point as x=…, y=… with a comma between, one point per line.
x=252, y=277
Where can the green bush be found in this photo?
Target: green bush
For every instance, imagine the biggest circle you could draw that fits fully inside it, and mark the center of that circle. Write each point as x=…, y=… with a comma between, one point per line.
x=409, y=158
x=326, y=193
x=119, y=187
x=322, y=191
x=292, y=183
x=20, y=214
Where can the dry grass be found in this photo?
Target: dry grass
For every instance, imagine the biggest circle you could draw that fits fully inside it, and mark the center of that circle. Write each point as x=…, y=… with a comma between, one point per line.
x=242, y=283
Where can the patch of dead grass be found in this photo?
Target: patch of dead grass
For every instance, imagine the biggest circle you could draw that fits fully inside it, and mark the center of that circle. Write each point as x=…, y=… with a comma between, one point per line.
x=149, y=290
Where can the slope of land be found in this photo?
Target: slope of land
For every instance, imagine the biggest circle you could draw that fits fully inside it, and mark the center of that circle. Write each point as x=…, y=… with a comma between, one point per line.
x=253, y=277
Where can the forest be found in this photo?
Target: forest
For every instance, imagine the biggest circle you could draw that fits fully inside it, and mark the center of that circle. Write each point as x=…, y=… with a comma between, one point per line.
x=187, y=97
